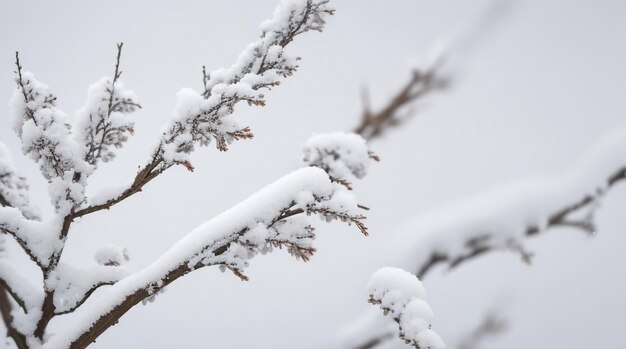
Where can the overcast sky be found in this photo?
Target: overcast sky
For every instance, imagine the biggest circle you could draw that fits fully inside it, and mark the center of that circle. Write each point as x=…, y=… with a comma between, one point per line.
x=531, y=94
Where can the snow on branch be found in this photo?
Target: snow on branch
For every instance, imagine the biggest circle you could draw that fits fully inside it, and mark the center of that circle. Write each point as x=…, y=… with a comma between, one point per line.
x=202, y=118
x=46, y=137
x=7, y=318
x=67, y=153
x=401, y=295
x=38, y=239
x=22, y=292
x=13, y=187
x=73, y=285
x=102, y=123
x=344, y=156
x=274, y=217
x=505, y=217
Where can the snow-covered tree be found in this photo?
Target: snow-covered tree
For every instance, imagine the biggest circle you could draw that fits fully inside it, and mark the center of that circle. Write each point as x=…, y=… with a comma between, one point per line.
x=69, y=149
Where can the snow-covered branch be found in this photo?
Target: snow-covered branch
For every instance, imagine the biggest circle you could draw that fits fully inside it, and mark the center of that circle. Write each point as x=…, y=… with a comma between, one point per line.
x=102, y=123
x=202, y=118
x=14, y=283
x=34, y=237
x=15, y=207
x=401, y=295
x=46, y=136
x=73, y=286
x=13, y=187
x=7, y=318
x=69, y=151
x=274, y=217
x=344, y=156
x=504, y=218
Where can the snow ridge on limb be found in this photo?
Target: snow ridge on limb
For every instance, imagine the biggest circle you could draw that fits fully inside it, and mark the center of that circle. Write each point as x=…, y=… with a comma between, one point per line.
x=506, y=216
x=401, y=295
x=274, y=217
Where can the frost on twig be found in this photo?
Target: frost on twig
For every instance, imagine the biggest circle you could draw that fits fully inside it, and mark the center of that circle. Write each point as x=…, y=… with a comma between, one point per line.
x=401, y=295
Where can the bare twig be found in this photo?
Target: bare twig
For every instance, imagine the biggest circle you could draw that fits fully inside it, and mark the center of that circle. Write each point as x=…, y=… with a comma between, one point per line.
x=420, y=85
x=20, y=82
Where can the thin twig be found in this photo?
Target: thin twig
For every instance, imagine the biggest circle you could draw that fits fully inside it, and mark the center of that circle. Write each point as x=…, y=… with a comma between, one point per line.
x=420, y=85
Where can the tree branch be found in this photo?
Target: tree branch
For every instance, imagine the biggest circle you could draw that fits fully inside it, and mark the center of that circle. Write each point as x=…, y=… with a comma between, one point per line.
x=143, y=177
x=113, y=316
x=20, y=82
x=5, y=311
x=260, y=67
x=4, y=284
x=23, y=244
x=226, y=241
x=85, y=297
x=531, y=208
x=557, y=219
x=420, y=85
